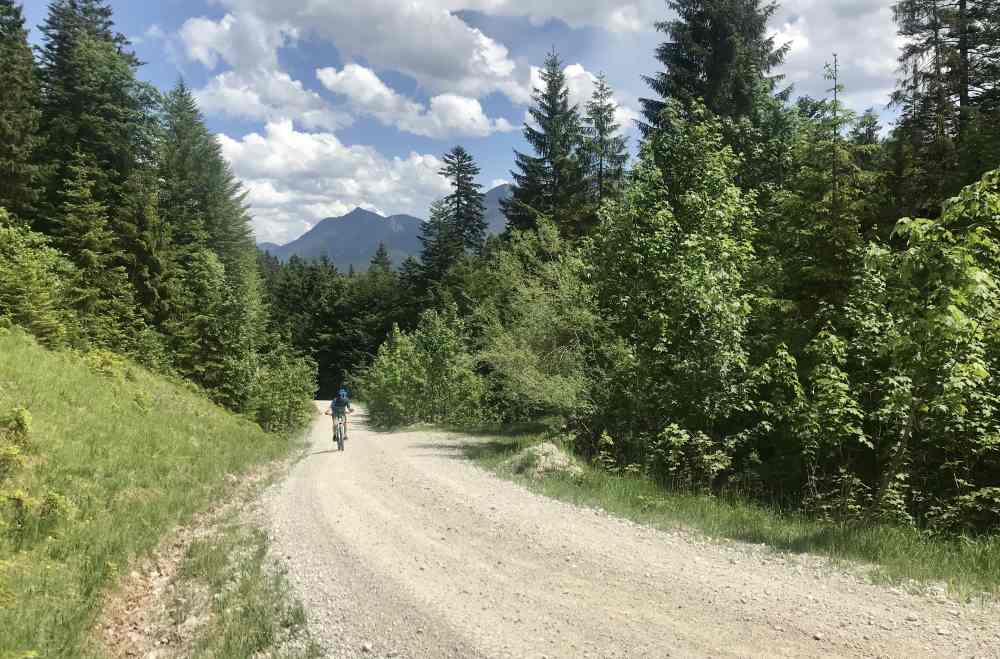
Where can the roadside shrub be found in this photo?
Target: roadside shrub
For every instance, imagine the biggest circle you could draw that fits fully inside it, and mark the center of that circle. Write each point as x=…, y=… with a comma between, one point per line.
x=426, y=375
x=34, y=285
x=284, y=388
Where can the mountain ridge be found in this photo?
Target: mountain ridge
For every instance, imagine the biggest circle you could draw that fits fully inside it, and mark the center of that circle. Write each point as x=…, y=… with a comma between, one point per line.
x=350, y=241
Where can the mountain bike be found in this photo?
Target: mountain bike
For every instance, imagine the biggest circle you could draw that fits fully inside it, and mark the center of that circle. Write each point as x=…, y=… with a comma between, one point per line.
x=340, y=431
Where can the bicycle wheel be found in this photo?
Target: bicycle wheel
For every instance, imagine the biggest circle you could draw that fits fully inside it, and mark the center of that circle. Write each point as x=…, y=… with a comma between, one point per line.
x=340, y=436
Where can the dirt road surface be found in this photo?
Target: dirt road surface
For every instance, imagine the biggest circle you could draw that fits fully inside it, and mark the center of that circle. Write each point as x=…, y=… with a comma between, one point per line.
x=398, y=547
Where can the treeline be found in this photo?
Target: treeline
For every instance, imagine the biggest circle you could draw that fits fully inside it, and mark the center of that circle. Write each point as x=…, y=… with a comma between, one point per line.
x=122, y=227
x=780, y=298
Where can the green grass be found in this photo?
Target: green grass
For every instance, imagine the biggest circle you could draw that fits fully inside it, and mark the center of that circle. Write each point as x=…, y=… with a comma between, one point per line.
x=254, y=613
x=969, y=567
x=132, y=454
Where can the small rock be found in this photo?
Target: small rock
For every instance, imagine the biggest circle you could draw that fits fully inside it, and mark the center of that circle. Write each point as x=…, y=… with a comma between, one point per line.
x=366, y=648
x=817, y=636
x=943, y=632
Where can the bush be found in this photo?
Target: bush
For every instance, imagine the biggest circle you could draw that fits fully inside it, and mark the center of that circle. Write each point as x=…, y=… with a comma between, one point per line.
x=34, y=285
x=426, y=375
x=283, y=391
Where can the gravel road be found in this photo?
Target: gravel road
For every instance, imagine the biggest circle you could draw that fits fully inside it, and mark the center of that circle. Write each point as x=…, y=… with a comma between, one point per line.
x=398, y=547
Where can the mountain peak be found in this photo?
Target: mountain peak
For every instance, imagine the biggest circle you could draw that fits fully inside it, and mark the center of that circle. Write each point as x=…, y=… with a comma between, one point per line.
x=351, y=240
x=362, y=212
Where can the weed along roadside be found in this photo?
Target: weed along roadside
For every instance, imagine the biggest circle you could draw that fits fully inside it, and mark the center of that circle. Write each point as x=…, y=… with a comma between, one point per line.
x=101, y=460
x=964, y=568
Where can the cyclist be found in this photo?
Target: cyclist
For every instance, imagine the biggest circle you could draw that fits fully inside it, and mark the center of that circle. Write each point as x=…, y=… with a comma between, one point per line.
x=339, y=409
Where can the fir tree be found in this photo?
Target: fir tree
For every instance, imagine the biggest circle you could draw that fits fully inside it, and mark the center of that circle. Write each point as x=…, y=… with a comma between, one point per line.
x=202, y=210
x=145, y=243
x=442, y=244
x=605, y=148
x=19, y=115
x=718, y=51
x=465, y=203
x=381, y=262
x=552, y=182
x=91, y=100
x=947, y=98
x=102, y=293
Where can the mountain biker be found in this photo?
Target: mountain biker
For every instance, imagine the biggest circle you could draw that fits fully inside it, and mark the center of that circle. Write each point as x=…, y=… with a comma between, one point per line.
x=340, y=407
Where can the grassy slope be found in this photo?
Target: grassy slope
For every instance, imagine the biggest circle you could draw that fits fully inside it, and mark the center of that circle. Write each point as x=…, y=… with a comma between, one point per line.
x=968, y=567
x=134, y=454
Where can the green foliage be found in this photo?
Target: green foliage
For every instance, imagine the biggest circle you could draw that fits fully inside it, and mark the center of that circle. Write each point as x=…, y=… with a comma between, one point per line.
x=553, y=181
x=426, y=375
x=670, y=261
x=719, y=54
x=604, y=148
x=34, y=285
x=283, y=389
x=113, y=463
x=19, y=115
x=534, y=327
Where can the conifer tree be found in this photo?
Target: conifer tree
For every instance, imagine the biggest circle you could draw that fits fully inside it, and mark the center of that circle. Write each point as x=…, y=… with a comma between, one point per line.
x=947, y=99
x=465, y=203
x=552, y=182
x=718, y=51
x=145, y=243
x=381, y=262
x=202, y=210
x=91, y=100
x=19, y=115
x=605, y=148
x=441, y=244
x=102, y=293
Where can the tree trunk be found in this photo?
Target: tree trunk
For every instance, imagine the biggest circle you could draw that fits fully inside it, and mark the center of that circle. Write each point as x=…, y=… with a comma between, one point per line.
x=963, y=67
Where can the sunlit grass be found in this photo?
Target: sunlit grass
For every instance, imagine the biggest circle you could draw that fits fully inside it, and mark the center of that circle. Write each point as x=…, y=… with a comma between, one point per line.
x=968, y=567
x=134, y=454
x=253, y=611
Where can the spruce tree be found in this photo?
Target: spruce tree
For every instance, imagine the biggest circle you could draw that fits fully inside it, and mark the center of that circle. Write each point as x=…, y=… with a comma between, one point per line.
x=145, y=243
x=19, y=115
x=718, y=51
x=91, y=100
x=465, y=206
x=381, y=262
x=605, y=148
x=102, y=293
x=947, y=99
x=552, y=182
x=442, y=244
x=202, y=210
x=201, y=200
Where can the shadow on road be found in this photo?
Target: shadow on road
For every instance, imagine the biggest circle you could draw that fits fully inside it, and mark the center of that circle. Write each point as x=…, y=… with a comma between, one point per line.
x=468, y=450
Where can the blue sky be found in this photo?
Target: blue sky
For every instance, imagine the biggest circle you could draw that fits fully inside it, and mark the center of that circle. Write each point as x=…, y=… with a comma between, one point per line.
x=322, y=106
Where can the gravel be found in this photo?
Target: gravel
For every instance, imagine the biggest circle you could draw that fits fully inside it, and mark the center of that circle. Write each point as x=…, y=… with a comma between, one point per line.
x=398, y=547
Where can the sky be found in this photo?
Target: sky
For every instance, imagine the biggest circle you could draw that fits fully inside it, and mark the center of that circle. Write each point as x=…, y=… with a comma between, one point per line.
x=322, y=106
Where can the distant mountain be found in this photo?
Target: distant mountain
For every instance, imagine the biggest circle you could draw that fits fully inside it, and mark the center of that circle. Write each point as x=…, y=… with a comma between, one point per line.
x=494, y=216
x=351, y=240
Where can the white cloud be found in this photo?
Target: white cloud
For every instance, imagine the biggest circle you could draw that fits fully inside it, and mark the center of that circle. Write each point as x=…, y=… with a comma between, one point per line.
x=448, y=114
x=243, y=41
x=295, y=179
x=619, y=16
x=265, y=95
x=420, y=38
x=861, y=32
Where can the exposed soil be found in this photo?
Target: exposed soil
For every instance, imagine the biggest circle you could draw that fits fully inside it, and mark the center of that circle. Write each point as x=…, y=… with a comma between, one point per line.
x=152, y=612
